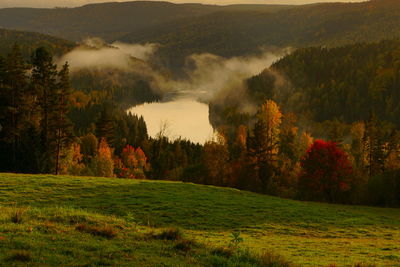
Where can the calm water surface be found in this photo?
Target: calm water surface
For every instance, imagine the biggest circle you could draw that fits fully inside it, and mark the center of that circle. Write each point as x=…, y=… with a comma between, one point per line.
x=185, y=118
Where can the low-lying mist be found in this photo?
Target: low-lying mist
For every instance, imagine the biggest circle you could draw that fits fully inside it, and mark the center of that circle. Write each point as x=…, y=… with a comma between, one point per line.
x=208, y=78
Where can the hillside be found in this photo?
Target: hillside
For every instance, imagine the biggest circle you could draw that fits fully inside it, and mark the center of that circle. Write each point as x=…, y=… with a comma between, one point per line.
x=28, y=41
x=184, y=29
x=106, y=20
x=346, y=83
x=306, y=233
x=232, y=33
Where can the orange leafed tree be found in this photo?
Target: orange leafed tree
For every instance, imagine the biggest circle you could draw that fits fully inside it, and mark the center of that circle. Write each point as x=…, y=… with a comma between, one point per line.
x=104, y=160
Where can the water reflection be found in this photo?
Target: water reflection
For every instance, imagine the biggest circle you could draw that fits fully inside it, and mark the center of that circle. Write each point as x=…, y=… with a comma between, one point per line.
x=184, y=118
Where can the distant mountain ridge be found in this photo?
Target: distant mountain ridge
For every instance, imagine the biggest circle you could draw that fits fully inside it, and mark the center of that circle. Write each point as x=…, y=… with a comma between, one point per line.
x=236, y=30
x=106, y=20
x=242, y=32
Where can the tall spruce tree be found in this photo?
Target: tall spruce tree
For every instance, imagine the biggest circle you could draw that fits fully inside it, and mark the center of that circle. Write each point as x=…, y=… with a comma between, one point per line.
x=44, y=83
x=14, y=84
x=59, y=123
x=105, y=126
x=263, y=144
x=374, y=145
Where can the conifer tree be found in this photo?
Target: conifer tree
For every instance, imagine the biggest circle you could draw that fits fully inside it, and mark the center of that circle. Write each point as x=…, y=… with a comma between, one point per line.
x=105, y=127
x=44, y=83
x=374, y=146
x=14, y=86
x=60, y=125
x=263, y=144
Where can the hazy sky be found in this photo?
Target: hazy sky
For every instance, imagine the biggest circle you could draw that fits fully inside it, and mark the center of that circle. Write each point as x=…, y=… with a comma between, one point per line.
x=71, y=3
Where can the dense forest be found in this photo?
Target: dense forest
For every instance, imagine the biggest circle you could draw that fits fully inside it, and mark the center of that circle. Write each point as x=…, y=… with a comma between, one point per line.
x=49, y=127
x=334, y=105
x=345, y=83
x=29, y=41
x=113, y=20
x=346, y=95
x=184, y=29
x=242, y=32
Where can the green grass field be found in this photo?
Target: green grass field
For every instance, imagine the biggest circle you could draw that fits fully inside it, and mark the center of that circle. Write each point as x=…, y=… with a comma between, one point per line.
x=52, y=208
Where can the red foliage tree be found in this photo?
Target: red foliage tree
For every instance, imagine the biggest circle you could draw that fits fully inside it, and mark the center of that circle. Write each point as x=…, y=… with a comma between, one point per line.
x=327, y=173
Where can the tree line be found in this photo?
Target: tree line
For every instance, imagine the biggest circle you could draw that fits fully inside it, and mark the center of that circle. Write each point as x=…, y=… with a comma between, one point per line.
x=49, y=127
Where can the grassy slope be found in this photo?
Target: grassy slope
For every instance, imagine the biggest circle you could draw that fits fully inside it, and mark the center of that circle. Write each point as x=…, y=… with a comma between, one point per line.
x=305, y=233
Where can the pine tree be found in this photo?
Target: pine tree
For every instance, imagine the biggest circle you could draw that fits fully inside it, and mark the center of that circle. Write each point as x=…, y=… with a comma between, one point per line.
x=374, y=146
x=14, y=86
x=263, y=143
x=59, y=123
x=105, y=127
x=44, y=84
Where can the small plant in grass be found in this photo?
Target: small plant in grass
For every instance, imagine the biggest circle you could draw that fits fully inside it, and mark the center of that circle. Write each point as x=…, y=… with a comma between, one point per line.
x=17, y=216
x=236, y=239
x=129, y=217
x=20, y=255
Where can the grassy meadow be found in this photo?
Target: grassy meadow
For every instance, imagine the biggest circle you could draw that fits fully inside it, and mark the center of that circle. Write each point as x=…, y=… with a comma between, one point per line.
x=50, y=220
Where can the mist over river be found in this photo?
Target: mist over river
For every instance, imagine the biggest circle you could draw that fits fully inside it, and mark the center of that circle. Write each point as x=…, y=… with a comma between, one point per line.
x=183, y=117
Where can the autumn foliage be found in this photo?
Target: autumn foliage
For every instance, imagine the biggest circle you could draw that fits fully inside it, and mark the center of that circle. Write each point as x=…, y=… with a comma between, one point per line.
x=132, y=164
x=326, y=173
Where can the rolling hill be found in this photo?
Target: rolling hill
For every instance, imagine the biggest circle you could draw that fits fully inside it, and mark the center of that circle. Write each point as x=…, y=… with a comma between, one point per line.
x=107, y=20
x=28, y=41
x=234, y=33
x=184, y=29
x=50, y=220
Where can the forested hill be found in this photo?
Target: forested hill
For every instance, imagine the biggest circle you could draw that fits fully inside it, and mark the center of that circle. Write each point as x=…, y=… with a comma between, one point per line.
x=243, y=32
x=29, y=41
x=107, y=20
x=184, y=29
x=347, y=83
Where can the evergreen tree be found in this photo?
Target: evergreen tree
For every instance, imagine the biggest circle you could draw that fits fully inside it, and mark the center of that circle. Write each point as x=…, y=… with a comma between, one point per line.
x=60, y=124
x=14, y=89
x=263, y=144
x=44, y=84
x=374, y=146
x=105, y=127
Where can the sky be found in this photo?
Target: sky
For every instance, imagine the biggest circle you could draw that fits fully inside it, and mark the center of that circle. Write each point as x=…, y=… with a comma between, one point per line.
x=73, y=3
